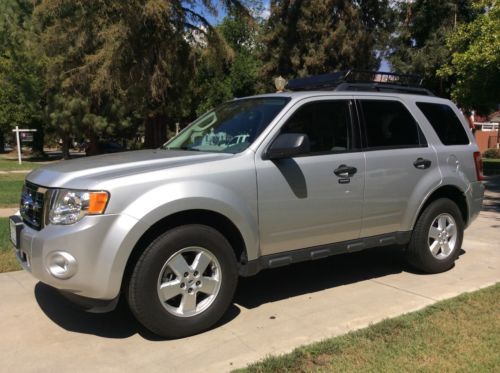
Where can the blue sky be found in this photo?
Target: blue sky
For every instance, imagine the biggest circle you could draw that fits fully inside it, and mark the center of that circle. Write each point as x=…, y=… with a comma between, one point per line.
x=221, y=12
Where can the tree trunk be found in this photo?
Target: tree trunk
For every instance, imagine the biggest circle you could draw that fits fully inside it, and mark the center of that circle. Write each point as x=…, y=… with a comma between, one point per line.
x=38, y=141
x=155, y=132
x=2, y=142
x=66, y=143
x=92, y=145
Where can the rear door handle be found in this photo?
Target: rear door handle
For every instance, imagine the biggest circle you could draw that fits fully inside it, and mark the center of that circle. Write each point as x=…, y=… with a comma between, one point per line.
x=345, y=171
x=422, y=164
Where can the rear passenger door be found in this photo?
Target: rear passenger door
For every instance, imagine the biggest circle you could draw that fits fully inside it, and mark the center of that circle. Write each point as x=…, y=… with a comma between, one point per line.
x=398, y=162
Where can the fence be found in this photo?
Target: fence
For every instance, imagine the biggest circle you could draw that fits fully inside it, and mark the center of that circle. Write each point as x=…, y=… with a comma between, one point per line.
x=487, y=139
x=493, y=141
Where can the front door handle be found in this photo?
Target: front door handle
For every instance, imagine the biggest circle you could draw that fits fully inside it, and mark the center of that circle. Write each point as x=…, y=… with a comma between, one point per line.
x=345, y=171
x=422, y=164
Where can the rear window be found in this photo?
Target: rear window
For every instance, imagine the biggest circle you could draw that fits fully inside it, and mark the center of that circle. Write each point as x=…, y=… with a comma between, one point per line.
x=390, y=125
x=445, y=122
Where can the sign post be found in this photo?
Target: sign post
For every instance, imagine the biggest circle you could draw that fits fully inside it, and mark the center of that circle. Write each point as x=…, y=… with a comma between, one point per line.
x=18, y=141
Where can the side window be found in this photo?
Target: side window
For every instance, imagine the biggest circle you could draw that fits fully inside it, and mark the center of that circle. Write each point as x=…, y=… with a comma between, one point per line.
x=446, y=124
x=326, y=123
x=390, y=125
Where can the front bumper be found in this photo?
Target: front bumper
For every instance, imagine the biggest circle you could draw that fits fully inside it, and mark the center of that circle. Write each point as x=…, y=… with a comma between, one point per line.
x=100, y=245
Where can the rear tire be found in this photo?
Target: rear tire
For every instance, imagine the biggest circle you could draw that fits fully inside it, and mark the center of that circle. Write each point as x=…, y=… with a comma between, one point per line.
x=437, y=237
x=184, y=281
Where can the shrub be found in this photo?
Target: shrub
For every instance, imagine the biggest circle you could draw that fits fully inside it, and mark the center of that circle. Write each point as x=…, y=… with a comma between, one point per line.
x=491, y=153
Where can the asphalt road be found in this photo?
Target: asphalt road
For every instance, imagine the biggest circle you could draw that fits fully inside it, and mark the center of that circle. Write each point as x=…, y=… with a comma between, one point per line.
x=273, y=312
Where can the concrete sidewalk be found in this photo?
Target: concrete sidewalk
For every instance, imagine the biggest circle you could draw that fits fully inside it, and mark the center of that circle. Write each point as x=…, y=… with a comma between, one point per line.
x=273, y=312
x=5, y=212
x=14, y=172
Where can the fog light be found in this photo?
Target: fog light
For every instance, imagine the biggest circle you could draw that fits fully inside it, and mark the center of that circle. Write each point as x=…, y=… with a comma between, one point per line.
x=61, y=264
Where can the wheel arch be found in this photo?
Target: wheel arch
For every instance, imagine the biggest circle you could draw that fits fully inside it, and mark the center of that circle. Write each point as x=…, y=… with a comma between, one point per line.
x=212, y=219
x=450, y=192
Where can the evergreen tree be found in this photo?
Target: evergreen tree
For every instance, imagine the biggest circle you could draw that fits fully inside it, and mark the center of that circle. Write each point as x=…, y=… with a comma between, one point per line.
x=219, y=80
x=138, y=54
x=21, y=73
x=312, y=37
x=418, y=45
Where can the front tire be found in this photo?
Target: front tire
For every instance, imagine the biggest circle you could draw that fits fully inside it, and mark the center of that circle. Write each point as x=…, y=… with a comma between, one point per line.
x=184, y=281
x=437, y=237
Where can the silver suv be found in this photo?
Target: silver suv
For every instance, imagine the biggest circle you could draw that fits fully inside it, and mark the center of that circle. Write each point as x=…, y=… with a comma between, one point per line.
x=257, y=183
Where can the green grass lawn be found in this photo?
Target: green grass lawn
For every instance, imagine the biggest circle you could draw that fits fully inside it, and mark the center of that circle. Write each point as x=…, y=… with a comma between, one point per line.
x=10, y=189
x=11, y=183
x=8, y=261
x=460, y=334
x=11, y=164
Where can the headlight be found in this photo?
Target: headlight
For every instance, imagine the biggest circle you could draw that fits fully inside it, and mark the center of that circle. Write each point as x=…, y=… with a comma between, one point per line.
x=69, y=206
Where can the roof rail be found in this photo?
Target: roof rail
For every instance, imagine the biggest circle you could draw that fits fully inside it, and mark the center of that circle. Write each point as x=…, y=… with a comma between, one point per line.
x=360, y=80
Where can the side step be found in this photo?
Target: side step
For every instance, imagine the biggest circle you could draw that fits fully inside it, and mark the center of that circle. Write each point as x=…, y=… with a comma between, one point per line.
x=319, y=252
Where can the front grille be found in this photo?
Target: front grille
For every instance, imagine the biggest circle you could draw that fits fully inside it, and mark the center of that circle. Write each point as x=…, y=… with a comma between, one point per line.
x=32, y=203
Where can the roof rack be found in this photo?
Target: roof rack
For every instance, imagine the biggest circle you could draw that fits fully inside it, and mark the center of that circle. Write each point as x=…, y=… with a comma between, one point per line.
x=361, y=80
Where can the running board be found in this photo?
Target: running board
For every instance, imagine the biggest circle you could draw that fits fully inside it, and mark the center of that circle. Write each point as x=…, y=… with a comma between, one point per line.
x=318, y=252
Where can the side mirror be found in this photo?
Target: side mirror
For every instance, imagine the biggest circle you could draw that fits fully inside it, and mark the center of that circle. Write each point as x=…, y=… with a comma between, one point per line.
x=288, y=145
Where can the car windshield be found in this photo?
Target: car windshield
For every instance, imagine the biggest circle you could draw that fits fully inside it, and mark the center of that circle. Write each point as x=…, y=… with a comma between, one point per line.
x=231, y=127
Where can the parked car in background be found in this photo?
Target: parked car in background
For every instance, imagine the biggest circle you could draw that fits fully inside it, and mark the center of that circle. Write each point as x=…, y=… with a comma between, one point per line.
x=103, y=147
x=7, y=148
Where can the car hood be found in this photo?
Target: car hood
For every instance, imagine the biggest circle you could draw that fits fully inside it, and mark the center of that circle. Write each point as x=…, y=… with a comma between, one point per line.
x=88, y=171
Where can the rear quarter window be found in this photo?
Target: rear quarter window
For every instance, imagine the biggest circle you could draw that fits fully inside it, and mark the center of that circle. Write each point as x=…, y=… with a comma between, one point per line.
x=445, y=122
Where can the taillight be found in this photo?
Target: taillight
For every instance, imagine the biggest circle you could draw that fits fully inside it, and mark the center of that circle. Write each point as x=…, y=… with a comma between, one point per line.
x=479, y=166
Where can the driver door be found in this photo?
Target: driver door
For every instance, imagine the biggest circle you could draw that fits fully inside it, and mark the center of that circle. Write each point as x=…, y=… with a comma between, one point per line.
x=302, y=202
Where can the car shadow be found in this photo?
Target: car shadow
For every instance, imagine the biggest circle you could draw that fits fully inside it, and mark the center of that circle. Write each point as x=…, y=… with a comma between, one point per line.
x=117, y=324
x=267, y=286
x=313, y=276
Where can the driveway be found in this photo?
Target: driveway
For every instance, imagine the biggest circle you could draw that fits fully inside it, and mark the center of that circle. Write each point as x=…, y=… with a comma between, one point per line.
x=273, y=312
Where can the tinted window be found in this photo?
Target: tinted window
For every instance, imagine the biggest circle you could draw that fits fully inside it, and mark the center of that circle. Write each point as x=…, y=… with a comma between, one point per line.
x=390, y=124
x=446, y=124
x=327, y=123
